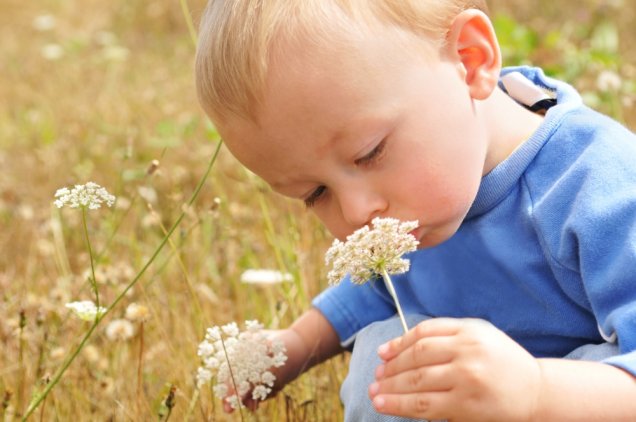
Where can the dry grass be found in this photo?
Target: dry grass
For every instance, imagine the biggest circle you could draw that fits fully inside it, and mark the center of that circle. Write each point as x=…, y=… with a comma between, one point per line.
x=115, y=93
x=119, y=96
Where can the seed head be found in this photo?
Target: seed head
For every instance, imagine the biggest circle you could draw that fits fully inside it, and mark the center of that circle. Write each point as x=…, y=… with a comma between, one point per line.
x=137, y=313
x=119, y=330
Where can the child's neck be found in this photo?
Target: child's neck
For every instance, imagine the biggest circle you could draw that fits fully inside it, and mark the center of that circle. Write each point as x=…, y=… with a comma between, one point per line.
x=510, y=125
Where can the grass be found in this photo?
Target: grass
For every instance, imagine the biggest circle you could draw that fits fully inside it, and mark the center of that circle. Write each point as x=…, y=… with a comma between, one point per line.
x=103, y=92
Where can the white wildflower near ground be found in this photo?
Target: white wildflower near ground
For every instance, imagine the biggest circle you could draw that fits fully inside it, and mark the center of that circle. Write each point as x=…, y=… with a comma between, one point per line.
x=239, y=361
x=368, y=253
x=262, y=276
x=52, y=51
x=608, y=80
x=44, y=22
x=86, y=310
x=89, y=196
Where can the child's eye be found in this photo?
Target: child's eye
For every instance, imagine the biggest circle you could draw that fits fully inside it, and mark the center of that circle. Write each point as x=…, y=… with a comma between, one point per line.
x=375, y=154
x=314, y=196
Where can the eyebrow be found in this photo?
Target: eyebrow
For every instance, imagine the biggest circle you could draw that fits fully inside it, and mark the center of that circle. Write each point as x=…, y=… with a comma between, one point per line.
x=337, y=136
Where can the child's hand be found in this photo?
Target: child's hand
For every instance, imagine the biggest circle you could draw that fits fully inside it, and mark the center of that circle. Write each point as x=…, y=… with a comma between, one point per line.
x=296, y=362
x=459, y=369
x=310, y=340
x=279, y=373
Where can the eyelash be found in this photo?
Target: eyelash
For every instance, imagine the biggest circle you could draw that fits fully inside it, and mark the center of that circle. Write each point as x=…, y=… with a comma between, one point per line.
x=373, y=156
x=314, y=196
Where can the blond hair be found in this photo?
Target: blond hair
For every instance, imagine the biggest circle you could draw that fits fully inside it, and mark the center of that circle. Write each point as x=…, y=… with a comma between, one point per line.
x=237, y=37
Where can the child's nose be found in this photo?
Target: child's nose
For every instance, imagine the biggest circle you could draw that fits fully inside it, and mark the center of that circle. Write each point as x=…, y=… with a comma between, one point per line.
x=359, y=207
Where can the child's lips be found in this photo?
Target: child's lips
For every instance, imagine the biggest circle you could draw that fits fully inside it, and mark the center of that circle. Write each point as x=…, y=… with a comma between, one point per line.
x=416, y=233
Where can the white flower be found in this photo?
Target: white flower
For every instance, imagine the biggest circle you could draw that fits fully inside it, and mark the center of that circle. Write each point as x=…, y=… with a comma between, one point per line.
x=253, y=325
x=251, y=355
x=115, y=53
x=368, y=253
x=119, y=329
x=213, y=333
x=231, y=329
x=44, y=22
x=52, y=51
x=253, y=276
x=86, y=310
x=90, y=196
x=261, y=392
x=608, y=80
x=205, y=349
x=204, y=376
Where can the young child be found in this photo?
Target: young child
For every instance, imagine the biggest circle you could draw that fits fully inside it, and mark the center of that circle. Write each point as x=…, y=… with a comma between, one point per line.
x=522, y=298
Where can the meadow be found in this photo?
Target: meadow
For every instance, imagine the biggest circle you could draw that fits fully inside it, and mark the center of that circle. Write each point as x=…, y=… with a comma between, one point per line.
x=104, y=92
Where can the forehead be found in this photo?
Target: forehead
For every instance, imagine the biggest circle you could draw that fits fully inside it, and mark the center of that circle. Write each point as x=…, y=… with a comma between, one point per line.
x=317, y=92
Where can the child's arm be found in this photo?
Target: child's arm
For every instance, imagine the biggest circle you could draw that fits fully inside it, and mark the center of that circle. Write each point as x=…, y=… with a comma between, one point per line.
x=310, y=340
x=463, y=369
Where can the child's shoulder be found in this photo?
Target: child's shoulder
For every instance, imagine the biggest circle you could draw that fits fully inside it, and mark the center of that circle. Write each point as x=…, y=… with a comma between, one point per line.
x=595, y=128
x=585, y=156
x=587, y=138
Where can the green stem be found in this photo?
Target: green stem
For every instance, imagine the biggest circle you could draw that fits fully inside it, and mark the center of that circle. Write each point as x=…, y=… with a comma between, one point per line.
x=92, y=280
x=40, y=397
x=176, y=224
x=389, y=285
x=188, y=18
x=193, y=402
x=236, y=391
x=140, y=363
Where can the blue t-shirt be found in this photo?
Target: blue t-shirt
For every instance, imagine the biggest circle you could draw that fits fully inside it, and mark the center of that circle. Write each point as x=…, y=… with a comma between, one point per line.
x=547, y=252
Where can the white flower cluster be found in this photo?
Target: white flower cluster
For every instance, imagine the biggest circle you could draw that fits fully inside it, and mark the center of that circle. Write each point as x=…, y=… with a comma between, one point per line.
x=91, y=196
x=86, y=310
x=264, y=277
x=251, y=356
x=366, y=253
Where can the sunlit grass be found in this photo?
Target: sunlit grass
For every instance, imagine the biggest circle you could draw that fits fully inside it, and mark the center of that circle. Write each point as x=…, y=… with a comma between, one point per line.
x=97, y=91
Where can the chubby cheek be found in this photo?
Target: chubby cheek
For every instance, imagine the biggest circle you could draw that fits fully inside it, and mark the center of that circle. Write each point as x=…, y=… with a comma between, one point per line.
x=443, y=201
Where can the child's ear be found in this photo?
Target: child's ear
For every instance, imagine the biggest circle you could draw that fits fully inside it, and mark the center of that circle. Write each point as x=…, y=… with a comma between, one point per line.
x=471, y=41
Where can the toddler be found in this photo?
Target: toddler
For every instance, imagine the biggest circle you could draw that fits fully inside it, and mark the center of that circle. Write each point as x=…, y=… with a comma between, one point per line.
x=522, y=297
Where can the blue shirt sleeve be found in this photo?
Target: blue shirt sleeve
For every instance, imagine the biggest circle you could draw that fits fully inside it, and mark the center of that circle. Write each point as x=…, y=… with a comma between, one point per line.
x=350, y=307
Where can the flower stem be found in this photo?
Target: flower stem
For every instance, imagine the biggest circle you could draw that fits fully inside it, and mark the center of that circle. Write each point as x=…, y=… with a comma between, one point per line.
x=236, y=391
x=193, y=402
x=389, y=285
x=140, y=369
x=40, y=397
x=92, y=279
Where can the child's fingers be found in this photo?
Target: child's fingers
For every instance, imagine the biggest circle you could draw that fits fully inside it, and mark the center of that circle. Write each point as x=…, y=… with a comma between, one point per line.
x=428, y=351
x=251, y=404
x=432, y=405
x=425, y=379
x=429, y=328
x=248, y=402
x=227, y=407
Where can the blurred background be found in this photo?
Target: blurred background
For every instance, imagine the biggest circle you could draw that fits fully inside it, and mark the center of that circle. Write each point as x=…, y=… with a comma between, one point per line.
x=103, y=91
